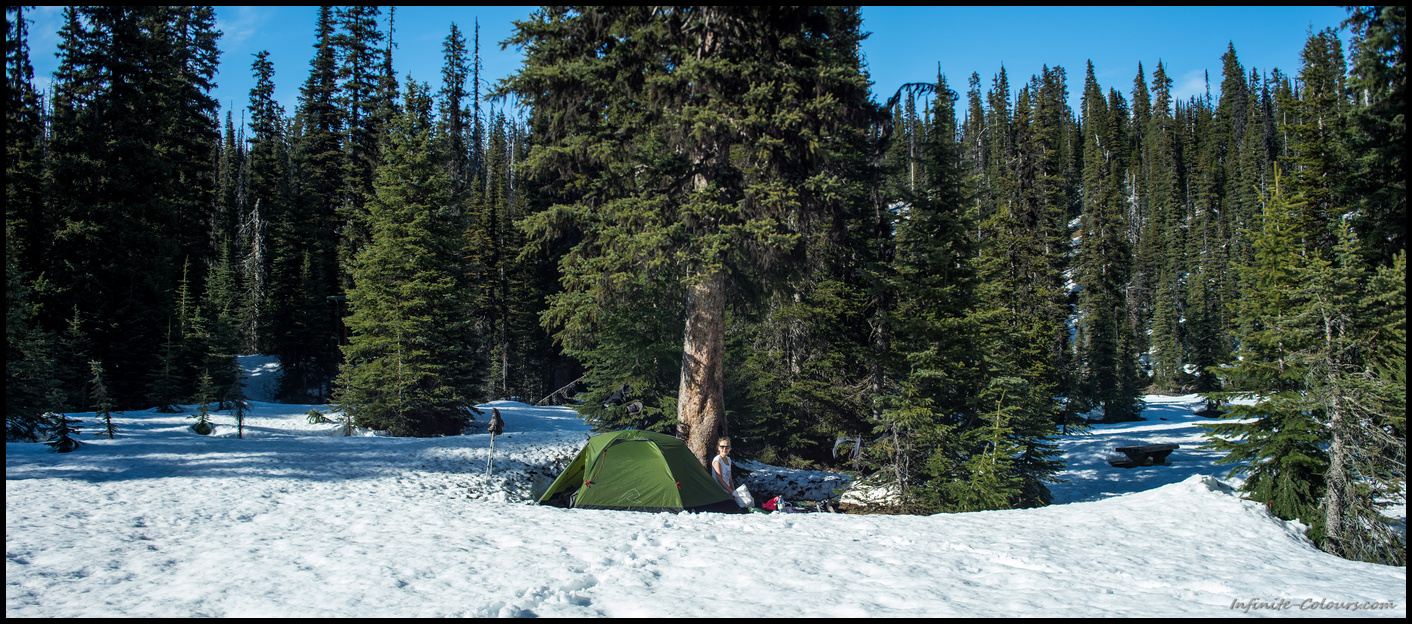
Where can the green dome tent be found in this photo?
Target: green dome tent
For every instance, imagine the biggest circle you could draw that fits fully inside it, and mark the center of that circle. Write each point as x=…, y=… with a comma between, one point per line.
x=637, y=471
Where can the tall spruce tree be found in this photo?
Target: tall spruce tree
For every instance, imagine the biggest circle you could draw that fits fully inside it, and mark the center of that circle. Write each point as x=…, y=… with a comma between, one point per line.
x=293, y=322
x=1377, y=137
x=189, y=61
x=1106, y=336
x=1024, y=246
x=319, y=149
x=1318, y=167
x=939, y=361
x=453, y=131
x=360, y=72
x=413, y=364
x=1279, y=447
x=1160, y=251
x=318, y=161
x=732, y=195
x=1325, y=441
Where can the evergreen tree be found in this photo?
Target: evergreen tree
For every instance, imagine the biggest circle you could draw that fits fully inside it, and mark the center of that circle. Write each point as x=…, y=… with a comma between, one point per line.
x=319, y=152
x=1377, y=137
x=32, y=386
x=1326, y=438
x=102, y=403
x=1161, y=250
x=189, y=59
x=205, y=392
x=192, y=337
x=30, y=381
x=974, y=141
x=935, y=332
x=1022, y=258
x=637, y=343
x=130, y=165
x=1367, y=456
x=24, y=137
x=290, y=313
x=62, y=431
x=737, y=191
x=222, y=301
x=812, y=350
x=999, y=469
x=164, y=387
x=476, y=161
x=226, y=222
x=1026, y=305
x=412, y=365
x=499, y=255
x=235, y=395
x=1250, y=171
x=1205, y=253
x=386, y=95
x=71, y=350
x=1318, y=165
x=453, y=117
x=218, y=327
x=1106, y=337
x=359, y=70
x=507, y=308
x=1279, y=446
x=313, y=255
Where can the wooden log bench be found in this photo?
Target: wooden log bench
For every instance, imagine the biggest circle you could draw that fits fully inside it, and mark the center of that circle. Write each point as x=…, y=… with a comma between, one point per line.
x=1145, y=455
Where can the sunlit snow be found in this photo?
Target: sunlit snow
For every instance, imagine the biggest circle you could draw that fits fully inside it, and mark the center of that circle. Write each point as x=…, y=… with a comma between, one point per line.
x=295, y=521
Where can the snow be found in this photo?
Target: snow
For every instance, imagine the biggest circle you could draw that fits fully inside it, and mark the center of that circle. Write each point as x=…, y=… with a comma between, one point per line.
x=294, y=521
x=1169, y=420
x=793, y=485
x=262, y=376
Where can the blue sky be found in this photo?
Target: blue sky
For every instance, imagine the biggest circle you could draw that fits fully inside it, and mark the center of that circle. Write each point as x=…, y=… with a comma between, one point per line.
x=907, y=43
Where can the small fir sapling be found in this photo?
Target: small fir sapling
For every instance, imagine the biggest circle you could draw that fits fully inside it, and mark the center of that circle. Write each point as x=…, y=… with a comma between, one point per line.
x=203, y=397
x=102, y=403
x=165, y=387
x=63, y=429
x=239, y=403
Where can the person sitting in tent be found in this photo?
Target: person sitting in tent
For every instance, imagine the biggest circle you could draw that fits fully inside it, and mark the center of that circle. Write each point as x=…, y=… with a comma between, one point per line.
x=721, y=464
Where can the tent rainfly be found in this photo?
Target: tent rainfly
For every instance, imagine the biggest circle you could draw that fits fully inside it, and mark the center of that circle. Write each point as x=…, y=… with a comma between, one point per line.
x=637, y=471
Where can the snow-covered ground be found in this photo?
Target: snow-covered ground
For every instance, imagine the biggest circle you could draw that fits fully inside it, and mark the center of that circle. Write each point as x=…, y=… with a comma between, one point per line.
x=1169, y=420
x=292, y=521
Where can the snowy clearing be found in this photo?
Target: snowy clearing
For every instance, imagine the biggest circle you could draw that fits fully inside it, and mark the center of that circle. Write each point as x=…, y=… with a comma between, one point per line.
x=292, y=521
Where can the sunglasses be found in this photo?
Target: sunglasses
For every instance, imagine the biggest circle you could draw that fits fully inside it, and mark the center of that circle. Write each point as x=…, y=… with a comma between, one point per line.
x=724, y=447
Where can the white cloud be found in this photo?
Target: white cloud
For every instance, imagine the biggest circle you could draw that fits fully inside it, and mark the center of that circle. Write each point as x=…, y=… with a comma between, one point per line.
x=239, y=24
x=1192, y=83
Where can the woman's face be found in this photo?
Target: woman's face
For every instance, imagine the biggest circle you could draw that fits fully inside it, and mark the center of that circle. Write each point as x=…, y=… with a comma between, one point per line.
x=724, y=448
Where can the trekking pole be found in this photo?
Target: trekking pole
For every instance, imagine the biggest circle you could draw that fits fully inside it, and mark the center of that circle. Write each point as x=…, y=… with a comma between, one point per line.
x=491, y=457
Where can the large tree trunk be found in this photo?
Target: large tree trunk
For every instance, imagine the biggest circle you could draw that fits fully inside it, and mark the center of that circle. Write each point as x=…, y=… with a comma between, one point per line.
x=701, y=414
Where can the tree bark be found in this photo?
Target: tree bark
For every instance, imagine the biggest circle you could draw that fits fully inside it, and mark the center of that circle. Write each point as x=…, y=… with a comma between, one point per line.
x=701, y=414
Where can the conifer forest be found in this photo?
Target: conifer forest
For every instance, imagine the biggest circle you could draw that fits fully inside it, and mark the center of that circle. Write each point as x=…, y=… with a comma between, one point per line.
x=706, y=211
